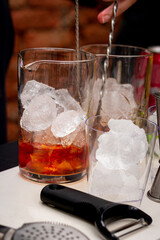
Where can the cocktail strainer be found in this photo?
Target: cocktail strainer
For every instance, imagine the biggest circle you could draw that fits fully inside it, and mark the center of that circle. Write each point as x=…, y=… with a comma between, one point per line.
x=42, y=231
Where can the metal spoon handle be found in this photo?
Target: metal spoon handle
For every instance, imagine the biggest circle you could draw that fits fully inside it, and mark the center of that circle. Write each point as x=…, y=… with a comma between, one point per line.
x=77, y=27
x=113, y=21
x=106, y=62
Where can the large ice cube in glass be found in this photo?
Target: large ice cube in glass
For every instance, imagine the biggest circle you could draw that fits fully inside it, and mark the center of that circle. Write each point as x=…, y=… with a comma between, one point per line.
x=33, y=89
x=66, y=123
x=39, y=114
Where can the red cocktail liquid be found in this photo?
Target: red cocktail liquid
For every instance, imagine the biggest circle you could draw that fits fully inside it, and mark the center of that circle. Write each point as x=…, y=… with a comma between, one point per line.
x=54, y=160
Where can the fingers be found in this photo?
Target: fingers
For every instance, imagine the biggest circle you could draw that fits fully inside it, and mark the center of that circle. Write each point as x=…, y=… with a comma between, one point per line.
x=106, y=14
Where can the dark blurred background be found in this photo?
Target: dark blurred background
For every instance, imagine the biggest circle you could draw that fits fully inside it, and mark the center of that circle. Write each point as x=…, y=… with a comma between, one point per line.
x=51, y=23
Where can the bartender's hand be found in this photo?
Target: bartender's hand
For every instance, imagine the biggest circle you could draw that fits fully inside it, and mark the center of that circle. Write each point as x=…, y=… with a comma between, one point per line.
x=106, y=14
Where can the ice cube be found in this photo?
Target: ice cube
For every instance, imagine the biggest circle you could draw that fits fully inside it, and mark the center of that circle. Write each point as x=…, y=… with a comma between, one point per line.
x=122, y=126
x=132, y=137
x=45, y=137
x=96, y=95
x=116, y=175
x=127, y=91
x=107, y=151
x=80, y=139
x=117, y=98
x=109, y=84
x=62, y=97
x=65, y=100
x=66, y=123
x=39, y=114
x=77, y=137
x=113, y=185
x=115, y=101
x=32, y=89
x=123, y=146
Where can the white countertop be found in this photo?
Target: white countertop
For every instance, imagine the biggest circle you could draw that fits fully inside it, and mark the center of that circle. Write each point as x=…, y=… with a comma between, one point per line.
x=20, y=203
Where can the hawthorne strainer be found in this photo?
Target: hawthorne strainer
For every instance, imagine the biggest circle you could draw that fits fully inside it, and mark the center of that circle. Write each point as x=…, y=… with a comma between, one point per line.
x=42, y=231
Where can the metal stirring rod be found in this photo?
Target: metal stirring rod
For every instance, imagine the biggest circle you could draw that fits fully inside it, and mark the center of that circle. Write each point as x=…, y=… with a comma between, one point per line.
x=106, y=62
x=77, y=27
x=77, y=48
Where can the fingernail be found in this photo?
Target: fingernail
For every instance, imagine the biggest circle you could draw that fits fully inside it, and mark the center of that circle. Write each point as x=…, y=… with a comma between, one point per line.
x=106, y=18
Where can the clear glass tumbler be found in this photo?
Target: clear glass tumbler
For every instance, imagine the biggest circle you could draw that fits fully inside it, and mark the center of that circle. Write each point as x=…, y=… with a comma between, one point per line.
x=120, y=155
x=54, y=95
x=152, y=116
x=126, y=82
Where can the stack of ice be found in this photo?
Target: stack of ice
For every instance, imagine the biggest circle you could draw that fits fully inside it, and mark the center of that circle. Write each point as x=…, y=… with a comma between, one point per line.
x=50, y=111
x=117, y=98
x=120, y=153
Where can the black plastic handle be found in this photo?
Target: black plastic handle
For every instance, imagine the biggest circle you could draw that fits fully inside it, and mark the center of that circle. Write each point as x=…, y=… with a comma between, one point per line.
x=90, y=208
x=73, y=201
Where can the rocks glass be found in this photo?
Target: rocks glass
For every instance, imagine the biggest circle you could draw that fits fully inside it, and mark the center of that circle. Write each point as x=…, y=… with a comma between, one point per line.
x=126, y=81
x=54, y=94
x=121, y=152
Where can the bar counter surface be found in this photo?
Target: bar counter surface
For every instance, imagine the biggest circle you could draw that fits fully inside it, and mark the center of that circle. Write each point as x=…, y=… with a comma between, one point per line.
x=20, y=202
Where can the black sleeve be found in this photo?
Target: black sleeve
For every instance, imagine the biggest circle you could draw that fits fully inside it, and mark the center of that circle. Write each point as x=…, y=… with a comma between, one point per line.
x=6, y=48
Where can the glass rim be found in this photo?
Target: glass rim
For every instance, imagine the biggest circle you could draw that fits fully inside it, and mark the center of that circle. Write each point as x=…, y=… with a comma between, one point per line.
x=92, y=57
x=152, y=106
x=149, y=53
x=153, y=123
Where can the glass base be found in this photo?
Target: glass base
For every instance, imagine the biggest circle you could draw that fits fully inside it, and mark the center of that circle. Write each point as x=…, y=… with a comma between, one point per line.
x=50, y=178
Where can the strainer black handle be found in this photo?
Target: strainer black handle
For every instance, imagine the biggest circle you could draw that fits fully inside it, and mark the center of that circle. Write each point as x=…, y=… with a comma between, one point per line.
x=90, y=208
